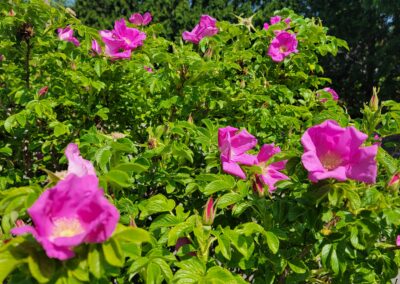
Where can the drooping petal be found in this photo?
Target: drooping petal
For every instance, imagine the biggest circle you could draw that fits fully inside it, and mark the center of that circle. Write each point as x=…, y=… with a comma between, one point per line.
x=233, y=169
x=76, y=164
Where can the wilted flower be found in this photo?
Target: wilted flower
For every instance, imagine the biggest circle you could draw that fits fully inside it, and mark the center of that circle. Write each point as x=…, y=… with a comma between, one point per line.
x=76, y=164
x=43, y=91
x=331, y=151
x=282, y=45
x=73, y=212
x=331, y=91
x=206, y=27
x=96, y=47
x=209, y=212
x=233, y=146
x=67, y=34
x=140, y=20
x=270, y=173
x=122, y=40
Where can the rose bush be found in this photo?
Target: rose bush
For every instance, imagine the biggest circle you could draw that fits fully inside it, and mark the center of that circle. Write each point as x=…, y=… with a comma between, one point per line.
x=224, y=164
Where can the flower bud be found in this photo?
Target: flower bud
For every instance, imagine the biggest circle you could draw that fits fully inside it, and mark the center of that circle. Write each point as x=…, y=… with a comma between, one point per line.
x=209, y=212
x=11, y=13
x=258, y=186
x=394, y=182
x=43, y=91
x=19, y=223
x=374, y=102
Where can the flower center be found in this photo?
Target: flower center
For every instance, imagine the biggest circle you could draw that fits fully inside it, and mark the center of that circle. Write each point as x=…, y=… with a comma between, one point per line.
x=330, y=160
x=283, y=48
x=66, y=227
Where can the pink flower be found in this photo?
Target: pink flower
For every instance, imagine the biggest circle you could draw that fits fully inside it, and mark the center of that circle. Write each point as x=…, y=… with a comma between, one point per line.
x=206, y=27
x=398, y=241
x=67, y=34
x=270, y=173
x=277, y=19
x=148, y=69
x=335, y=96
x=331, y=151
x=19, y=223
x=233, y=146
x=76, y=164
x=122, y=40
x=209, y=212
x=73, y=212
x=96, y=48
x=274, y=20
x=43, y=91
x=282, y=45
x=378, y=140
x=139, y=20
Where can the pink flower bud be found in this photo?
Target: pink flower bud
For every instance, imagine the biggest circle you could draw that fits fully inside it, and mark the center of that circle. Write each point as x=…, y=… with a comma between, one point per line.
x=394, y=182
x=11, y=13
x=209, y=212
x=43, y=91
x=19, y=223
x=258, y=186
x=374, y=102
x=398, y=241
x=378, y=140
x=148, y=69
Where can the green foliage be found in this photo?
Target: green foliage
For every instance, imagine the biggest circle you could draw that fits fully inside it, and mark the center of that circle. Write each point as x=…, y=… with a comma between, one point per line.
x=152, y=138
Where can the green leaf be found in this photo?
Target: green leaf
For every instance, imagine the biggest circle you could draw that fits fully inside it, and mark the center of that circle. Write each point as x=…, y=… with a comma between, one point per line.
x=155, y=204
x=229, y=199
x=41, y=267
x=112, y=253
x=219, y=185
x=334, y=262
x=119, y=177
x=224, y=246
x=95, y=262
x=133, y=235
x=297, y=266
x=132, y=167
x=165, y=268
x=7, y=264
x=272, y=241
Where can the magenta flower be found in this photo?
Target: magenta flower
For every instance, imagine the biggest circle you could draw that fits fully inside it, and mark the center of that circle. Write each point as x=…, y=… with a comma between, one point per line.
x=73, y=212
x=67, y=34
x=122, y=40
x=398, y=241
x=206, y=27
x=282, y=45
x=270, y=173
x=96, y=47
x=331, y=151
x=76, y=164
x=233, y=146
x=331, y=91
x=139, y=20
x=277, y=19
x=43, y=90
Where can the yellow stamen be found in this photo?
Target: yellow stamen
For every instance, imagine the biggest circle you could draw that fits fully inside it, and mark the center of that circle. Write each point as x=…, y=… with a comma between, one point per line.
x=66, y=227
x=330, y=160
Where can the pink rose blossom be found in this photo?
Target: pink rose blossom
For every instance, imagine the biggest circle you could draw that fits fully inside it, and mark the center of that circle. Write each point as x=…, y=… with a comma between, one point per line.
x=122, y=40
x=270, y=173
x=205, y=28
x=43, y=91
x=282, y=45
x=96, y=48
x=76, y=164
x=139, y=20
x=331, y=151
x=275, y=19
x=67, y=34
x=233, y=146
x=73, y=212
x=331, y=91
